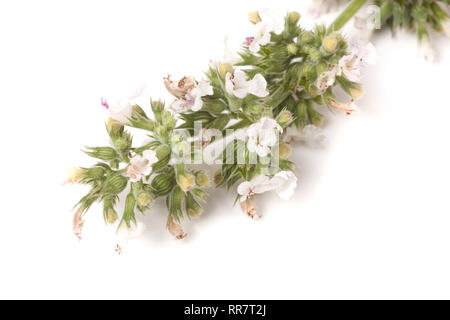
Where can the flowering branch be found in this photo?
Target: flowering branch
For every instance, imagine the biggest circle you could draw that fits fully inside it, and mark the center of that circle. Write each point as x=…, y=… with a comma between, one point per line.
x=244, y=115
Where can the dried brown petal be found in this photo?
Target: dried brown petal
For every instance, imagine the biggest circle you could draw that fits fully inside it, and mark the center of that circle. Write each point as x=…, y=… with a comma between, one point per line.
x=249, y=209
x=77, y=222
x=175, y=229
x=181, y=87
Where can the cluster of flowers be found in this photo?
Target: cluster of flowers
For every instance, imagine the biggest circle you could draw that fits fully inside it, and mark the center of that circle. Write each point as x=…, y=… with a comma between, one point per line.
x=248, y=111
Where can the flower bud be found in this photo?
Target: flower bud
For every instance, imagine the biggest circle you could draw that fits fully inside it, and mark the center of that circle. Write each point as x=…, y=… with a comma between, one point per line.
x=186, y=181
x=306, y=37
x=114, y=127
x=103, y=153
x=115, y=184
x=356, y=91
x=284, y=151
x=163, y=151
x=291, y=48
x=293, y=17
x=114, y=164
x=143, y=199
x=254, y=17
x=225, y=68
x=255, y=108
x=218, y=176
x=329, y=43
x=285, y=118
x=162, y=184
x=157, y=108
x=138, y=111
x=322, y=67
x=175, y=229
x=315, y=117
x=308, y=71
x=314, y=56
x=202, y=179
x=95, y=172
x=109, y=214
x=168, y=119
x=193, y=209
x=199, y=194
x=122, y=143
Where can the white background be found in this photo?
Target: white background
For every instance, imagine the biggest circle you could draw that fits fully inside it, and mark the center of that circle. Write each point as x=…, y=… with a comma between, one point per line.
x=370, y=217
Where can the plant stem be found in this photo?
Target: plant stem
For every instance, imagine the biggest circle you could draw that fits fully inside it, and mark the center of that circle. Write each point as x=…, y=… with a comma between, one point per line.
x=385, y=11
x=346, y=15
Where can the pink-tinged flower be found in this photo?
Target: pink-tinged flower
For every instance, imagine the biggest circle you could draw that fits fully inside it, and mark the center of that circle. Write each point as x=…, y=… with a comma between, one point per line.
x=141, y=166
x=248, y=41
x=238, y=85
x=121, y=109
x=104, y=103
x=190, y=97
x=349, y=107
x=360, y=54
x=270, y=22
x=350, y=66
x=326, y=79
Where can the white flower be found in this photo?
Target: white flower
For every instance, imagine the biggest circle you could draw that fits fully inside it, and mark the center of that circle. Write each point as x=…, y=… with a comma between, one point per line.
x=320, y=7
x=360, y=54
x=141, y=165
x=350, y=67
x=310, y=134
x=326, y=79
x=191, y=99
x=228, y=56
x=263, y=135
x=284, y=184
x=205, y=135
x=258, y=184
x=363, y=51
x=238, y=85
x=121, y=109
x=426, y=50
x=270, y=22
